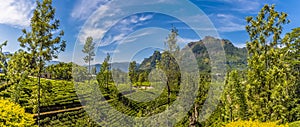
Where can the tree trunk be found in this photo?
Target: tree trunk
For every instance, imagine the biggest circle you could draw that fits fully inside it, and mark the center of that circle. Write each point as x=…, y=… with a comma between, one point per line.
x=39, y=91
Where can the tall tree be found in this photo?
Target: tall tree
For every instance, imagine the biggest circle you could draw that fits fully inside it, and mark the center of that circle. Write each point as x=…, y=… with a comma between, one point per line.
x=132, y=72
x=292, y=58
x=104, y=76
x=43, y=40
x=168, y=61
x=89, y=49
x=171, y=41
x=233, y=99
x=18, y=71
x=3, y=58
x=269, y=79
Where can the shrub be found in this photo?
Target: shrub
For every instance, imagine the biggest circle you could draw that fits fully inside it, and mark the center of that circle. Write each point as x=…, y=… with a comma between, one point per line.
x=12, y=114
x=295, y=124
x=253, y=124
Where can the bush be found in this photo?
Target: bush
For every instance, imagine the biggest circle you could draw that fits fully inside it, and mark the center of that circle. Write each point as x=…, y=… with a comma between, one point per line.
x=253, y=124
x=12, y=114
x=295, y=124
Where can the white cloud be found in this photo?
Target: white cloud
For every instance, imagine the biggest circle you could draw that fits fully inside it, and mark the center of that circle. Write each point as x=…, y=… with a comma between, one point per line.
x=16, y=13
x=84, y=8
x=246, y=6
x=228, y=23
x=135, y=37
x=241, y=6
x=123, y=28
x=240, y=45
x=110, y=51
x=187, y=40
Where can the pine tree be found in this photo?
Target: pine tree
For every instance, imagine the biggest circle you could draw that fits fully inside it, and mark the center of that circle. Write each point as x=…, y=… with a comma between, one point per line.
x=171, y=41
x=132, y=72
x=43, y=40
x=88, y=49
x=169, y=64
x=104, y=76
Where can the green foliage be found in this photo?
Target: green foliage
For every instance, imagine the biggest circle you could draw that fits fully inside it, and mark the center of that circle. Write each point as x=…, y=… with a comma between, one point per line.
x=79, y=73
x=12, y=114
x=18, y=71
x=104, y=77
x=143, y=77
x=294, y=124
x=233, y=99
x=89, y=49
x=75, y=119
x=60, y=71
x=254, y=124
x=40, y=39
x=236, y=58
x=132, y=72
x=270, y=81
x=3, y=57
x=171, y=41
x=151, y=62
x=43, y=41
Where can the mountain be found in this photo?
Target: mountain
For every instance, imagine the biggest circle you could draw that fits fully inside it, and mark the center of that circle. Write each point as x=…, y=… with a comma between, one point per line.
x=123, y=66
x=150, y=63
x=236, y=58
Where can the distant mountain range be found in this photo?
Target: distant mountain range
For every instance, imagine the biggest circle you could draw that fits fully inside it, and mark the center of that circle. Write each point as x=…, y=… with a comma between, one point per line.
x=123, y=66
x=236, y=58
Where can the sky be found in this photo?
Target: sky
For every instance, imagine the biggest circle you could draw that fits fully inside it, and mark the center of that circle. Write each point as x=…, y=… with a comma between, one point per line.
x=133, y=29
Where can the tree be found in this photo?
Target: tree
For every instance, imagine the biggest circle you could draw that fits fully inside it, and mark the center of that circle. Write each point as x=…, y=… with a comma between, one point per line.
x=291, y=48
x=12, y=114
x=142, y=77
x=88, y=49
x=104, y=76
x=43, y=40
x=269, y=81
x=233, y=99
x=168, y=61
x=60, y=71
x=79, y=73
x=94, y=70
x=171, y=42
x=3, y=58
x=132, y=72
x=18, y=71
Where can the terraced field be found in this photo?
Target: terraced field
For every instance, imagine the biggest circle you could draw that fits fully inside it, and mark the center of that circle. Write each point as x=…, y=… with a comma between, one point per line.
x=60, y=105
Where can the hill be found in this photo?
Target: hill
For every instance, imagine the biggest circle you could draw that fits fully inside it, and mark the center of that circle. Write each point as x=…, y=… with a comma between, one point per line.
x=236, y=58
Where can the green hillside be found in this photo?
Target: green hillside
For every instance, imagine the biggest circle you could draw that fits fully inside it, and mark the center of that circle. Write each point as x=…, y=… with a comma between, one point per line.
x=236, y=58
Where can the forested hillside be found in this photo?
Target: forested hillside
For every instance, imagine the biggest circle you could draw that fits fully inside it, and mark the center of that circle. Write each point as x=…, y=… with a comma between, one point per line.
x=236, y=58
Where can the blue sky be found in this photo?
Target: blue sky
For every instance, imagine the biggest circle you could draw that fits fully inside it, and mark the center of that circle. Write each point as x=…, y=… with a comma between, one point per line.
x=135, y=36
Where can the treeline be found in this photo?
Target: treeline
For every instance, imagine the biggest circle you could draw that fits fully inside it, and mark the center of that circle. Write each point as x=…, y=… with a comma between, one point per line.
x=268, y=90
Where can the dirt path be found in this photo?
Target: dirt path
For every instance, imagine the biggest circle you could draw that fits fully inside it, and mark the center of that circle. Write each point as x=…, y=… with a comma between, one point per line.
x=59, y=111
